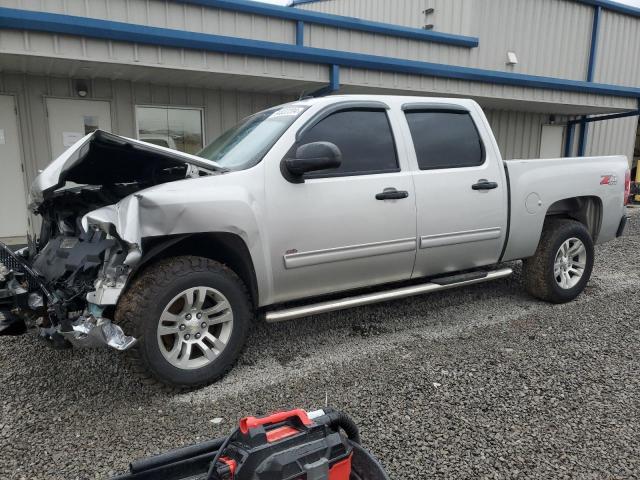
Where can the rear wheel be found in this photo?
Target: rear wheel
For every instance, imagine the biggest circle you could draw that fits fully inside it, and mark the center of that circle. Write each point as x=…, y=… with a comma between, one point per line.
x=561, y=266
x=191, y=316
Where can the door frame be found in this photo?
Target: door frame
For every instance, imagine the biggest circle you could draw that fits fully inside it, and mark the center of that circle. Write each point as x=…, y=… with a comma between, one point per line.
x=112, y=115
x=21, y=157
x=562, y=139
x=177, y=107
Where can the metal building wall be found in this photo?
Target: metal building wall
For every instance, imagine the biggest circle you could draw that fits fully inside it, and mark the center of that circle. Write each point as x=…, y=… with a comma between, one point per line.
x=354, y=80
x=618, y=53
x=550, y=37
x=451, y=16
x=222, y=109
x=517, y=133
x=165, y=14
x=612, y=137
x=169, y=14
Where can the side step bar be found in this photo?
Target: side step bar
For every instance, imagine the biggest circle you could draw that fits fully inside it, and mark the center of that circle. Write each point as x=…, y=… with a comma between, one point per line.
x=368, y=298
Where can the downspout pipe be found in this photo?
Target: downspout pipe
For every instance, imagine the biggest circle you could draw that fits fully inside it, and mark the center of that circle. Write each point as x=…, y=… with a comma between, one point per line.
x=595, y=29
x=334, y=83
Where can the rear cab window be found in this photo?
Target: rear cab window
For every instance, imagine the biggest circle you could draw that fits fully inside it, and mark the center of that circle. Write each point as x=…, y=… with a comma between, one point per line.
x=364, y=137
x=445, y=138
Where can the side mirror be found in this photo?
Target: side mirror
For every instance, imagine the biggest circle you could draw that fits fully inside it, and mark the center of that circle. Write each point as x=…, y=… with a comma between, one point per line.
x=312, y=157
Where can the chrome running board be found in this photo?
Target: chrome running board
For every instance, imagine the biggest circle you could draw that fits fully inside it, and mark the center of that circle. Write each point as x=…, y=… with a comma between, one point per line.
x=383, y=296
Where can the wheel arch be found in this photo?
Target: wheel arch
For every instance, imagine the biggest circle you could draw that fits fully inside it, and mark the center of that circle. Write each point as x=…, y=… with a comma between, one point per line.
x=584, y=209
x=227, y=248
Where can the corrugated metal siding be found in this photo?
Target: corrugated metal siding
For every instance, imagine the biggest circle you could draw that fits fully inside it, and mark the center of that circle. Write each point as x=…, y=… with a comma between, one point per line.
x=612, y=137
x=222, y=109
x=618, y=54
x=353, y=80
x=167, y=14
x=518, y=133
x=450, y=16
x=550, y=37
x=80, y=48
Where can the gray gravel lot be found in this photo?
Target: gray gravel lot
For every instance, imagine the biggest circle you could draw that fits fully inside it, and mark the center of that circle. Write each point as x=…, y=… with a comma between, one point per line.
x=482, y=382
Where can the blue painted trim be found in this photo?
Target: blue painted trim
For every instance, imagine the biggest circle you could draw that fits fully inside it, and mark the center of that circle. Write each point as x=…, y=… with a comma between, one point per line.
x=301, y=2
x=90, y=27
x=584, y=124
x=606, y=4
x=613, y=6
x=300, y=33
x=339, y=21
x=568, y=146
x=334, y=83
x=582, y=137
x=601, y=118
x=593, y=49
x=595, y=31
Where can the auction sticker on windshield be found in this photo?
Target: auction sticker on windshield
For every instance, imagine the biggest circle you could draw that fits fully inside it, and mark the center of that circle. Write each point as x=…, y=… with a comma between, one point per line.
x=288, y=112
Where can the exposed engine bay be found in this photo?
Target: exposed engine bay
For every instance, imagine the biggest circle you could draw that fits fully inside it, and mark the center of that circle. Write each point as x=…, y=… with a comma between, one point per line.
x=67, y=276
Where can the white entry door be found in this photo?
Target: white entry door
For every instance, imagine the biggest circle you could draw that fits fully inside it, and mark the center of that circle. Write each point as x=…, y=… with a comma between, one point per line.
x=71, y=119
x=551, y=141
x=13, y=199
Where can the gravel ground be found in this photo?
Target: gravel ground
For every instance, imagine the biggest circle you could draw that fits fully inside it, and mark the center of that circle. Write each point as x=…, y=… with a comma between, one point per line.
x=482, y=382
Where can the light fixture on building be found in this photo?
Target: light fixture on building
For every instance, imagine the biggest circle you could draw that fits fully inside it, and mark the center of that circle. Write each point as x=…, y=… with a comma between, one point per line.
x=81, y=88
x=512, y=58
x=552, y=119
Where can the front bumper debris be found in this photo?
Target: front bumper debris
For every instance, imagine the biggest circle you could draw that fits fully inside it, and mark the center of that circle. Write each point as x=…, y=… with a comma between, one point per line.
x=23, y=294
x=91, y=332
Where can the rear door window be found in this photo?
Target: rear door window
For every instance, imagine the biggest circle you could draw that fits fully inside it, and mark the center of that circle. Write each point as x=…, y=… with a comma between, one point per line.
x=445, y=139
x=363, y=136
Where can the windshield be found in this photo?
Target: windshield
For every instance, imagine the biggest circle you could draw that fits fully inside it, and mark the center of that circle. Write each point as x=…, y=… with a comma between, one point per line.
x=244, y=145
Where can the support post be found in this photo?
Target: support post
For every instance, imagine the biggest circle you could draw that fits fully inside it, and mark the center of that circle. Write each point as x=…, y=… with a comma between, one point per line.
x=334, y=82
x=300, y=33
x=595, y=28
x=582, y=139
x=568, y=145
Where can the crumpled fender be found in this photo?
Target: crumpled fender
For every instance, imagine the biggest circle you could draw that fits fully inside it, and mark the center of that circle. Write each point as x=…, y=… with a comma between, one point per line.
x=227, y=203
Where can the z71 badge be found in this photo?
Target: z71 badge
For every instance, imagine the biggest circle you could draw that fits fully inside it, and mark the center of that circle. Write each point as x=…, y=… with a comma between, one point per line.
x=608, y=180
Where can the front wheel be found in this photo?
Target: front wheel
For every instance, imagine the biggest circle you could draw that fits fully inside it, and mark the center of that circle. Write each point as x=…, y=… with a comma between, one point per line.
x=191, y=316
x=561, y=266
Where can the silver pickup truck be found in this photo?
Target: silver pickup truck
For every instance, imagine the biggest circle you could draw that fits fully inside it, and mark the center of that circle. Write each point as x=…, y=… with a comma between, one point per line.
x=313, y=206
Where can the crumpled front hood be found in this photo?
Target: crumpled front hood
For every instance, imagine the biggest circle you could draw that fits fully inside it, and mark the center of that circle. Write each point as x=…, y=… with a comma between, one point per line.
x=101, y=158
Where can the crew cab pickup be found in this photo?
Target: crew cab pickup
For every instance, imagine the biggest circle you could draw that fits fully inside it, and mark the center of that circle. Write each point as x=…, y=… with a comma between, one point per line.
x=317, y=205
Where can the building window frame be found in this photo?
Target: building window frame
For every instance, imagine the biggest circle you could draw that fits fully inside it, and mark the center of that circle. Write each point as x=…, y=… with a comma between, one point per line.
x=174, y=107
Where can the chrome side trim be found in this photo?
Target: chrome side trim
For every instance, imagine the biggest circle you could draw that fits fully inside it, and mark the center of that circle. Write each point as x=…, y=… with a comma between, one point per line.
x=352, y=252
x=455, y=238
x=332, y=305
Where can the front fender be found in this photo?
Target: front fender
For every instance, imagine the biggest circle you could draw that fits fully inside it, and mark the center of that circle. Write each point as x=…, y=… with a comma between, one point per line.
x=221, y=204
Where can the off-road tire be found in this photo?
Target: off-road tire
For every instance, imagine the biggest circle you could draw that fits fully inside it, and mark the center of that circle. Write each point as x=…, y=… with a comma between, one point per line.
x=537, y=270
x=139, y=310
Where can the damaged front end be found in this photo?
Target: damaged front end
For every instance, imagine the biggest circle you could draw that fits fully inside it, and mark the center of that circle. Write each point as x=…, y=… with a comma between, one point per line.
x=67, y=282
x=57, y=307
